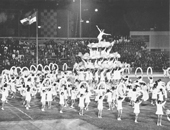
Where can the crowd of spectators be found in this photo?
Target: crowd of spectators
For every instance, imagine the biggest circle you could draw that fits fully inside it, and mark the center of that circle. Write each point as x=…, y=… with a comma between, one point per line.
x=137, y=55
x=15, y=52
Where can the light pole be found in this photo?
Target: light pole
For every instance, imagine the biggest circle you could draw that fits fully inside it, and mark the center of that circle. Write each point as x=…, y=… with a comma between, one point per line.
x=80, y=28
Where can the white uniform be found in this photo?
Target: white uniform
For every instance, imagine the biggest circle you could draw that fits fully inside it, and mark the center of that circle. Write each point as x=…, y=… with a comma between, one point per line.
x=3, y=98
x=81, y=76
x=87, y=97
x=136, y=108
x=100, y=104
x=99, y=93
x=109, y=97
x=43, y=97
x=117, y=75
x=145, y=96
x=102, y=76
x=114, y=95
x=28, y=96
x=108, y=75
x=69, y=91
x=168, y=86
x=119, y=104
x=154, y=93
x=65, y=94
x=73, y=94
x=159, y=110
x=13, y=87
x=133, y=95
x=61, y=99
x=81, y=102
x=160, y=96
x=6, y=92
x=49, y=96
x=82, y=91
x=96, y=76
x=91, y=76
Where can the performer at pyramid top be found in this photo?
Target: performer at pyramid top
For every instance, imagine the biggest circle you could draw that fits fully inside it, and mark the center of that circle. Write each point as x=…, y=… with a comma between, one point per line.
x=100, y=36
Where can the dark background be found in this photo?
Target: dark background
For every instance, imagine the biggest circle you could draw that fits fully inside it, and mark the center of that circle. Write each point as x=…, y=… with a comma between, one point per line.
x=117, y=17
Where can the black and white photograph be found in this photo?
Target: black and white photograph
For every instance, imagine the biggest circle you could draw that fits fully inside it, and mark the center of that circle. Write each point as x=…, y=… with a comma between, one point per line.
x=84, y=64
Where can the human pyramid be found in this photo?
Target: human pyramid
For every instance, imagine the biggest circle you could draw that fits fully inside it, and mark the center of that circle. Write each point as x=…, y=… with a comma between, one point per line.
x=82, y=85
x=100, y=59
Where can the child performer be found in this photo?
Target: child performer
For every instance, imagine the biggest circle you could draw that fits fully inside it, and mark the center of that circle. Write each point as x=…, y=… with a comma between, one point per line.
x=12, y=89
x=69, y=87
x=81, y=104
x=100, y=36
x=43, y=99
x=114, y=96
x=119, y=107
x=23, y=90
x=133, y=96
x=28, y=98
x=65, y=96
x=160, y=95
x=154, y=94
x=3, y=98
x=159, y=111
x=151, y=82
x=137, y=108
x=61, y=101
x=96, y=76
x=109, y=98
x=73, y=97
x=167, y=114
x=49, y=97
x=100, y=106
x=87, y=99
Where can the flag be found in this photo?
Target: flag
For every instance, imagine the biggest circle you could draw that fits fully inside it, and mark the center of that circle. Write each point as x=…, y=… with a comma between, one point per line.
x=30, y=19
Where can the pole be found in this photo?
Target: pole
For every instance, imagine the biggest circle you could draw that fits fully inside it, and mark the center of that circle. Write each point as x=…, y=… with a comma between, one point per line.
x=37, y=37
x=68, y=24
x=169, y=32
x=19, y=15
x=77, y=22
x=80, y=31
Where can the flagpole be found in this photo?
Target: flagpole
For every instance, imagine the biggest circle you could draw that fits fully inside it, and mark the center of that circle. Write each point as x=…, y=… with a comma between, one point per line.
x=37, y=37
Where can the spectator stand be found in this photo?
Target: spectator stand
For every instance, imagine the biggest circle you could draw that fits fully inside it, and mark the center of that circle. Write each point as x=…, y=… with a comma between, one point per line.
x=21, y=52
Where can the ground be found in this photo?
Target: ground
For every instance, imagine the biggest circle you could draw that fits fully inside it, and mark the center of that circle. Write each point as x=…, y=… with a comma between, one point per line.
x=16, y=117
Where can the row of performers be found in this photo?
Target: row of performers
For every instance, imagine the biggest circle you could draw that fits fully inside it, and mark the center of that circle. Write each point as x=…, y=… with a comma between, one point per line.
x=100, y=64
x=99, y=75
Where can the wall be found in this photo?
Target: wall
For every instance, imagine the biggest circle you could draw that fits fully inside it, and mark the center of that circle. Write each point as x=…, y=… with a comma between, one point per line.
x=153, y=39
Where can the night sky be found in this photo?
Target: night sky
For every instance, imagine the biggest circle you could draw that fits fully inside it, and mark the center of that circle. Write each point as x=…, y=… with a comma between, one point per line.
x=117, y=17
